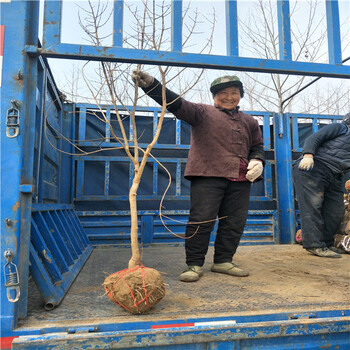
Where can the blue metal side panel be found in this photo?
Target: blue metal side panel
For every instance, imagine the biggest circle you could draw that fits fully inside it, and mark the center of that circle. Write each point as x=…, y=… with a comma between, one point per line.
x=103, y=227
x=59, y=250
x=19, y=76
x=213, y=333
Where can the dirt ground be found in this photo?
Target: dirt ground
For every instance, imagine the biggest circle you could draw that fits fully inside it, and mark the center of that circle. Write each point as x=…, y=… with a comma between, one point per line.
x=283, y=278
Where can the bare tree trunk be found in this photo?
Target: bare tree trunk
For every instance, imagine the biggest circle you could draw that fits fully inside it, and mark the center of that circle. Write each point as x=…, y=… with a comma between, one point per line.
x=135, y=251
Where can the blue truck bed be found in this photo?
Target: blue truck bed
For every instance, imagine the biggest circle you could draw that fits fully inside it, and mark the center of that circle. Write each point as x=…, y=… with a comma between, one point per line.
x=291, y=300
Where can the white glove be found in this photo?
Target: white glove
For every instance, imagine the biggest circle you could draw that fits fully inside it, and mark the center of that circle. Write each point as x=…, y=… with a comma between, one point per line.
x=255, y=169
x=142, y=78
x=307, y=163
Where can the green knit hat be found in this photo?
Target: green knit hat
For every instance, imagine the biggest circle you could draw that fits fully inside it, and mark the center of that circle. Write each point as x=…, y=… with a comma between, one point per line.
x=224, y=82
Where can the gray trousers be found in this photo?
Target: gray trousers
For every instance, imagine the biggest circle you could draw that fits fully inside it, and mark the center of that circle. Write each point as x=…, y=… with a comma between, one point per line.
x=321, y=202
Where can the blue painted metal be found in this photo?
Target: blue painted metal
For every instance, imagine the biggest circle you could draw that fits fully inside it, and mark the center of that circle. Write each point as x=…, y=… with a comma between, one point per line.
x=20, y=156
x=333, y=32
x=59, y=248
x=177, y=137
x=283, y=158
x=118, y=23
x=285, y=44
x=53, y=48
x=113, y=227
x=141, y=325
x=176, y=26
x=135, y=56
x=276, y=331
x=278, y=191
x=18, y=84
x=310, y=123
x=177, y=132
x=52, y=23
x=231, y=28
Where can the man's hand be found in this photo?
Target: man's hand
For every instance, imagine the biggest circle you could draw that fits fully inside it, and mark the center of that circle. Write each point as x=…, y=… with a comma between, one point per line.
x=307, y=163
x=255, y=169
x=143, y=79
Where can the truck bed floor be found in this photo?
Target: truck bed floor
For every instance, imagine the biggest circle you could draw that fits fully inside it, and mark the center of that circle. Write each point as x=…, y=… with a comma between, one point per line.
x=283, y=278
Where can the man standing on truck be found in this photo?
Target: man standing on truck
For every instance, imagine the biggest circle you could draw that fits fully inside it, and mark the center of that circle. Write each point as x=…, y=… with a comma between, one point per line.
x=226, y=155
x=318, y=180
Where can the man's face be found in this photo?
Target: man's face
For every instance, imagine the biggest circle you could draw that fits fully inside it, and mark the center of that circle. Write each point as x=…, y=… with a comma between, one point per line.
x=228, y=98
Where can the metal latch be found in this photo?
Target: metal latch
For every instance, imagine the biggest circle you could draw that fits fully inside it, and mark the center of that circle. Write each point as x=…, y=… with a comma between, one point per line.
x=11, y=277
x=12, y=120
x=89, y=329
x=302, y=316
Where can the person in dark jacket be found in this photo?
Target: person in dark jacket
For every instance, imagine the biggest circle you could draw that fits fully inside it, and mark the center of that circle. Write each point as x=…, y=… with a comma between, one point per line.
x=226, y=155
x=318, y=177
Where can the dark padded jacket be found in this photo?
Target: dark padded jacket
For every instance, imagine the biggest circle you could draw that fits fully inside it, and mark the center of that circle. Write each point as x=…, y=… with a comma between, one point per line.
x=219, y=138
x=331, y=146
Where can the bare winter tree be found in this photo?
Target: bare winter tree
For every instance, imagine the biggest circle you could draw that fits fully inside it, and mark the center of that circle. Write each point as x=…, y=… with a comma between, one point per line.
x=112, y=84
x=268, y=92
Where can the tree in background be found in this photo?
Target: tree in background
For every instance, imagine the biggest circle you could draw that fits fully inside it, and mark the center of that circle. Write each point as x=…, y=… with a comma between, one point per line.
x=258, y=38
x=258, y=32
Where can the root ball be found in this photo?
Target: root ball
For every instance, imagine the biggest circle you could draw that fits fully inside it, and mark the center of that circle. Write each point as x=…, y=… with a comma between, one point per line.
x=137, y=289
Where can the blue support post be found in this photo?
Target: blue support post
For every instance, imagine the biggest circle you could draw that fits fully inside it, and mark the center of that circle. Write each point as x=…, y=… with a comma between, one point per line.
x=118, y=23
x=176, y=25
x=42, y=86
x=17, y=152
x=283, y=158
x=107, y=175
x=231, y=28
x=52, y=23
x=155, y=178
x=285, y=46
x=66, y=165
x=82, y=124
x=147, y=229
x=333, y=32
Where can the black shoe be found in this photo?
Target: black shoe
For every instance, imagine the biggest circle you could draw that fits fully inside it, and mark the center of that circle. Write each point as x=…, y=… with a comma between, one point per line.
x=337, y=250
x=323, y=252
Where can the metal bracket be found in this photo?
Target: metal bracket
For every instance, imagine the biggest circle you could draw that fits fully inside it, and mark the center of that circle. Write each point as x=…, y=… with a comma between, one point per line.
x=12, y=120
x=11, y=277
x=82, y=330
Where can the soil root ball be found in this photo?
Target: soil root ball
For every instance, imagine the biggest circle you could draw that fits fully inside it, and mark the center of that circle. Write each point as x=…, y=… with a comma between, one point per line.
x=137, y=289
